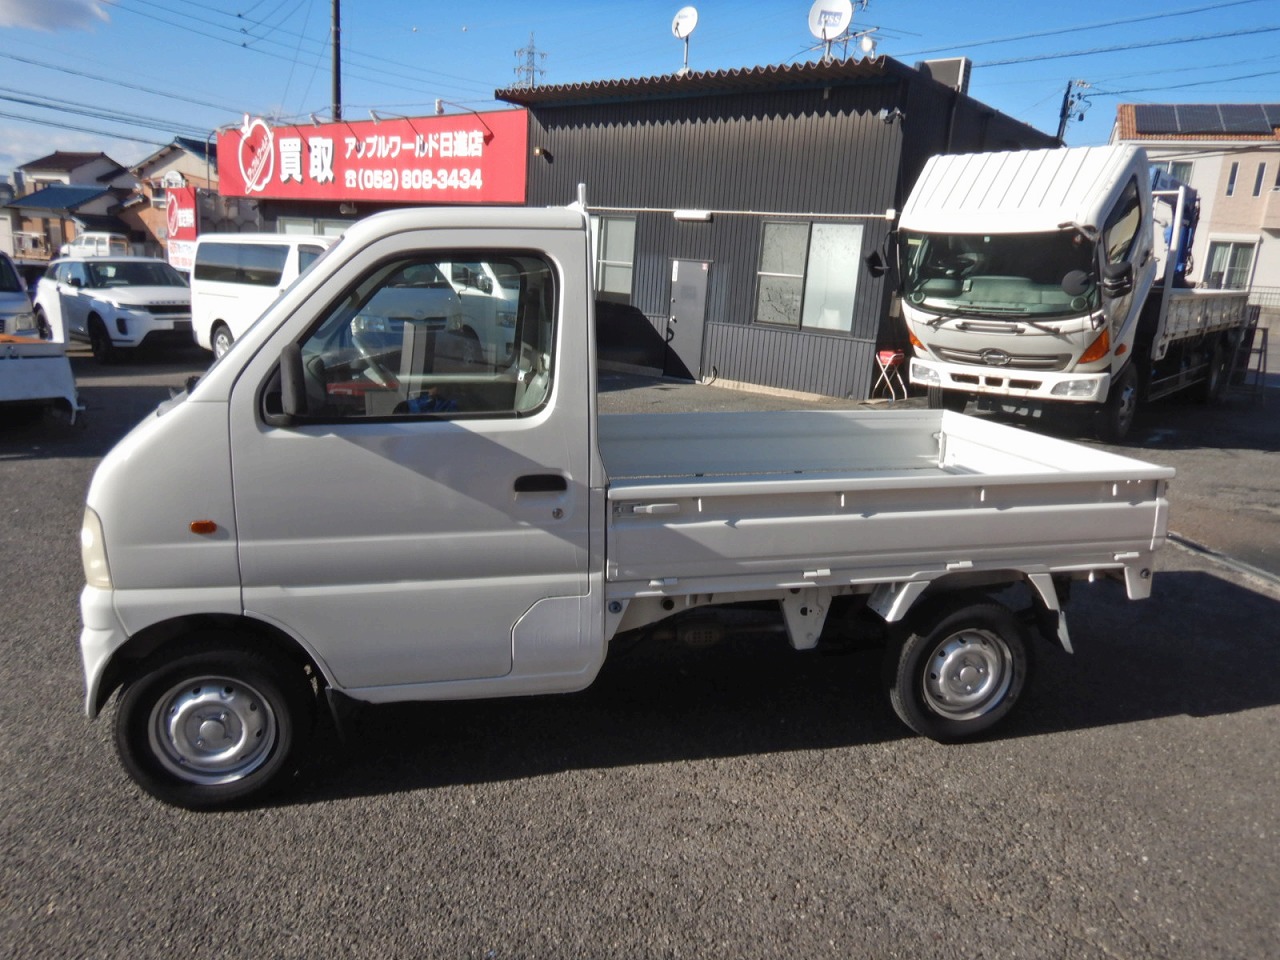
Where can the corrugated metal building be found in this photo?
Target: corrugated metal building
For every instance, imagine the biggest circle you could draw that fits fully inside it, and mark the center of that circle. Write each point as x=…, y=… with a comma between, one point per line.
x=734, y=209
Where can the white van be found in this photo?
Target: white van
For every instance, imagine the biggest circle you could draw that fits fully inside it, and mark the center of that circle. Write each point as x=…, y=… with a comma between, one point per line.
x=236, y=276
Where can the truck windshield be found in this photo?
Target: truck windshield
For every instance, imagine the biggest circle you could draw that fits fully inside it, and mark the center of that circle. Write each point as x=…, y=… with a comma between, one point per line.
x=1037, y=275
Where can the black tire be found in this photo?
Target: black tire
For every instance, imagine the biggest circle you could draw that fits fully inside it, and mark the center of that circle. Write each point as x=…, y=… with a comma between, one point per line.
x=220, y=340
x=939, y=399
x=957, y=670
x=1213, y=388
x=1115, y=419
x=42, y=325
x=104, y=351
x=258, y=709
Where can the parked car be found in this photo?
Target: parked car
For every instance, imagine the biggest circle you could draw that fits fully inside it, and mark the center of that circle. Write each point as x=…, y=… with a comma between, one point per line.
x=236, y=276
x=97, y=244
x=16, y=315
x=115, y=303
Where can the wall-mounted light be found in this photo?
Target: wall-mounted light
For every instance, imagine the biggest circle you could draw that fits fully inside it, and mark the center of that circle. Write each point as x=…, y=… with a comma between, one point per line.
x=440, y=104
x=347, y=209
x=888, y=116
x=544, y=153
x=693, y=216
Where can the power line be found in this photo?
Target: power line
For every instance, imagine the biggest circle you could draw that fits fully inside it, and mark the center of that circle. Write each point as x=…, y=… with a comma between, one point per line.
x=96, y=113
x=1164, y=15
x=1122, y=48
x=78, y=129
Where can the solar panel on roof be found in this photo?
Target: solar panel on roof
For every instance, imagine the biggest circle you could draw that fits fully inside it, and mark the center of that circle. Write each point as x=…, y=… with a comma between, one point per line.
x=1244, y=118
x=1199, y=118
x=1155, y=118
x=1272, y=111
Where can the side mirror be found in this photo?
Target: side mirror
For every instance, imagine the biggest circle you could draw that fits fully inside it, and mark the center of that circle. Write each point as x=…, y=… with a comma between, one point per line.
x=484, y=284
x=75, y=282
x=293, y=383
x=875, y=264
x=1117, y=279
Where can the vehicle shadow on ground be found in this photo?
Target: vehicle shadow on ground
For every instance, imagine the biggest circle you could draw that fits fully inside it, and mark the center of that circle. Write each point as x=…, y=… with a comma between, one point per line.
x=1201, y=647
x=1241, y=421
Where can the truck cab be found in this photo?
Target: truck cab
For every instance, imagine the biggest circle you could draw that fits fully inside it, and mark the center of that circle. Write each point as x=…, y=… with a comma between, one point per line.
x=1024, y=274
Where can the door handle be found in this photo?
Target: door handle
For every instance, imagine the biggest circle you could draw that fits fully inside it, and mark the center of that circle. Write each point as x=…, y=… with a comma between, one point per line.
x=541, y=483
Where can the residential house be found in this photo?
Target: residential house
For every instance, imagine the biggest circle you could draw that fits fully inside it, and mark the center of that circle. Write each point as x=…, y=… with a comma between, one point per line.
x=1230, y=154
x=66, y=193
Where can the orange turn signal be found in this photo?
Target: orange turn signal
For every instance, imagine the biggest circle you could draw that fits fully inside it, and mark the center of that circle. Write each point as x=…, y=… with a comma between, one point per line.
x=1098, y=349
x=203, y=526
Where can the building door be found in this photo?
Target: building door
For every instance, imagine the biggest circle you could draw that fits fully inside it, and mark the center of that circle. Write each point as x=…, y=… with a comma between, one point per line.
x=688, y=316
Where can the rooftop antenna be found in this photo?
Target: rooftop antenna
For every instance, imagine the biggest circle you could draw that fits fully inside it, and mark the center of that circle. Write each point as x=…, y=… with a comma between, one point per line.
x=685, y=20
x=828, y=20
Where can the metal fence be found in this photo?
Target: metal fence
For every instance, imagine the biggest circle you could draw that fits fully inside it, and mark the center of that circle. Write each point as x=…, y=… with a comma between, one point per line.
x=1267, y=302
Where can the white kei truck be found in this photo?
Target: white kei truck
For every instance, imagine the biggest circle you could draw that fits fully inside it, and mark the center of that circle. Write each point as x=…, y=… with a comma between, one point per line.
x=1029, y=281
x=327, y=517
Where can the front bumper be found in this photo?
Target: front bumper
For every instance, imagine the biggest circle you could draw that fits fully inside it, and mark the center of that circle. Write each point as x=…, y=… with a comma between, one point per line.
x=102, y=636
x=1008, y=382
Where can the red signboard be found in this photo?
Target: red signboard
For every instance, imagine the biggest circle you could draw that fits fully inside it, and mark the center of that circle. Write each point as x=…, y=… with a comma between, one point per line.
x=180, y=207
x=461, y=158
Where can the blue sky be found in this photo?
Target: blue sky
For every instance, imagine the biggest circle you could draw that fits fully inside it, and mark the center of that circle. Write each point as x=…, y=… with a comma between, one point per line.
x=185, y=67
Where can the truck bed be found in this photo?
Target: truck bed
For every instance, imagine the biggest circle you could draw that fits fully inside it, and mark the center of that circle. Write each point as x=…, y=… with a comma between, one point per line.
x=737, y=502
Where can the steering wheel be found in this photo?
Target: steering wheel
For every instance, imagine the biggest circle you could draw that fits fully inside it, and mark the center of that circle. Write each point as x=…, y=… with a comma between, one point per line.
x=373, y=367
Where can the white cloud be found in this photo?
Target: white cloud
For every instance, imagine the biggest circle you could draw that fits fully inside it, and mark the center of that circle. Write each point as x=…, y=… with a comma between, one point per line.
x=51, y=15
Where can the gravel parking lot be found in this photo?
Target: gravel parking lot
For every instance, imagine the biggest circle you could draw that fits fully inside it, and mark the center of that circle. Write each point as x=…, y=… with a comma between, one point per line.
x=739, y=800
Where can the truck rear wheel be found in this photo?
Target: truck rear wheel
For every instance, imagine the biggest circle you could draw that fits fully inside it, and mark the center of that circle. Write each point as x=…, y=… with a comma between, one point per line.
x=213, y=727
x=958, y=670
x=1217, y=376
x=939, y=399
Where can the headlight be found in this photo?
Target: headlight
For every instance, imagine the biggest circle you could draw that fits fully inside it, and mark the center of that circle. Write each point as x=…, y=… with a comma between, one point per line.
x=1075, y=389
x=506, y=319
x=926, y=375
x=20, y=322
x=93, y=552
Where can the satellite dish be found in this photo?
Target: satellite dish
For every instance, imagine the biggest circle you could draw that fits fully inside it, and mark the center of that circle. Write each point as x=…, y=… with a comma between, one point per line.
x=685, y=20
x=868, y=45
x=830, y=18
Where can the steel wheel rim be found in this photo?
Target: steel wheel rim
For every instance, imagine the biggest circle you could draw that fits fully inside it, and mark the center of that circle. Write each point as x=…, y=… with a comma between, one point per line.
x=211, y=730
x=968, y=674
x=221, y=343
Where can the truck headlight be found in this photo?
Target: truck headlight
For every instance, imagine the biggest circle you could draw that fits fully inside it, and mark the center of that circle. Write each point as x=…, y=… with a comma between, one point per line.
x=506, y=319
x=1075, y=389
x=925, y=375
x=93, y=552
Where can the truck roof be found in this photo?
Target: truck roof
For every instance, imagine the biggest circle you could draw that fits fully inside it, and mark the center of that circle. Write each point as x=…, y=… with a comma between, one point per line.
x=1021, y=191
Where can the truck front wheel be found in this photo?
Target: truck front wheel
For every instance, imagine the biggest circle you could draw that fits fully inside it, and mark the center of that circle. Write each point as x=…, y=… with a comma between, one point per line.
x=213, y=727
x=939, y=399
x=958, y=671
x=1115, y=418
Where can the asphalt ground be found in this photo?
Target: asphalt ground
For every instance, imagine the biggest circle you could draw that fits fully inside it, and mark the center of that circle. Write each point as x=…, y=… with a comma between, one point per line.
x=738, y=800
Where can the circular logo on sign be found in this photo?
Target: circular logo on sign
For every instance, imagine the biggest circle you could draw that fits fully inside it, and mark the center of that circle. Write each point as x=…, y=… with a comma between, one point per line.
x=173, y=214
x=257, y=156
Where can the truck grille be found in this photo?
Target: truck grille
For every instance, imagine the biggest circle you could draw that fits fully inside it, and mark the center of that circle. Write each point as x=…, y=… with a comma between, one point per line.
x=1017, y=361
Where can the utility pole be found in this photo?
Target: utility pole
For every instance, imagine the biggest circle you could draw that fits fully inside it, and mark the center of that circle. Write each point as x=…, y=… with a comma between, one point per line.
x=528, y=71
x=336, y=35
x=1071, y=100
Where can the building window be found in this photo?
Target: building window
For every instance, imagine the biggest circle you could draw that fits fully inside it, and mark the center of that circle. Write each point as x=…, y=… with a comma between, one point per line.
x=1231, y=179
x=808, y=275
x=1229, y=265
x=614, y=241
x=1180, y=170
x=1259, y=179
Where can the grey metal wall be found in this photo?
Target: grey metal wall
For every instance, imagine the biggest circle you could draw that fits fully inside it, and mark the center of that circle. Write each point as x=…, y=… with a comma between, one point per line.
x=765, y=155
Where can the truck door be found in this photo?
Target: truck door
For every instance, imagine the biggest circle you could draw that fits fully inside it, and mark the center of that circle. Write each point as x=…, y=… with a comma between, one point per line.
x=429, y=498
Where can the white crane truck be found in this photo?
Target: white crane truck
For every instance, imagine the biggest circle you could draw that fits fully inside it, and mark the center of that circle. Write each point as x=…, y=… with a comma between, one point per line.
x=1029, y=279
x=328, y=517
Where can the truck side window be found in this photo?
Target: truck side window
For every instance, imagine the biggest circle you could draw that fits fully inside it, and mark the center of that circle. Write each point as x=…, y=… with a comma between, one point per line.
x=405, y=342
x=1121, y=228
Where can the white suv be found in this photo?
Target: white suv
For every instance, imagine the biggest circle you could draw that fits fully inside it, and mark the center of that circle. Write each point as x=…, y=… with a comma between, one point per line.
x=115, y=303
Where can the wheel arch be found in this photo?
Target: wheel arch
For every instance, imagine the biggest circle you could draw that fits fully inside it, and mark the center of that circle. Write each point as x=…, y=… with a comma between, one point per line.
x=181, y=635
